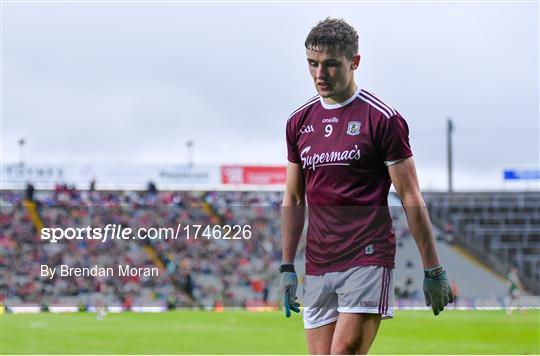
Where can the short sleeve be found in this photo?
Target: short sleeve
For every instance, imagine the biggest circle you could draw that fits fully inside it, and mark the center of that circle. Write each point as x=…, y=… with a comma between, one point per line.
x=394, y=140
x=292, y=148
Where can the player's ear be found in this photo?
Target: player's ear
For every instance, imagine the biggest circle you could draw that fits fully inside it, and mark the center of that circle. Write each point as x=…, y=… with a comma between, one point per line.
x=355, y=62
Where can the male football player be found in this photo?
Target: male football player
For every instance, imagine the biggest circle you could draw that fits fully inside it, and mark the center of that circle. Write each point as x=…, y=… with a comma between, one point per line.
x=345, y=148
x=514, y=292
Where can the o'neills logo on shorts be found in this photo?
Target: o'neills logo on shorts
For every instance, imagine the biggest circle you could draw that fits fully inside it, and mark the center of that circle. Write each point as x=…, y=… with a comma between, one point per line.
x=334, y=158
x=368, y=304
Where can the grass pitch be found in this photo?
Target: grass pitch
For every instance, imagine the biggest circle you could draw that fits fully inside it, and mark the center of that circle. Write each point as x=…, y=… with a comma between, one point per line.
x=241, y=332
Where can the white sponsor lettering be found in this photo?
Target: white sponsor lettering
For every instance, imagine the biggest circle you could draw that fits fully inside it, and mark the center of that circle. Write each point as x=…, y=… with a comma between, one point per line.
x=328, y=158
x=332, y=120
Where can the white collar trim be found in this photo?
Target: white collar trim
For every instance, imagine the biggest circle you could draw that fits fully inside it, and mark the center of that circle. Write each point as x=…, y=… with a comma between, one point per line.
x=340, y=105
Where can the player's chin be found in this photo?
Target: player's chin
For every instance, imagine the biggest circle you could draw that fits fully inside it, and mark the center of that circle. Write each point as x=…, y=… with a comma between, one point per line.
x=325, y=93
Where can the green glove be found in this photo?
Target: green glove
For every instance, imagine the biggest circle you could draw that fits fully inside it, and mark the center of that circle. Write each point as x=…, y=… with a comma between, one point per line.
x=437, y=290
x=287, y=288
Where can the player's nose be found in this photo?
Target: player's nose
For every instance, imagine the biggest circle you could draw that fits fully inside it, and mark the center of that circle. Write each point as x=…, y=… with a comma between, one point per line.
x=320, y=73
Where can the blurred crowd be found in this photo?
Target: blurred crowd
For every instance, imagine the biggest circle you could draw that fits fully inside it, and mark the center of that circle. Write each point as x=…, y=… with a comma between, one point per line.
x=193, y=272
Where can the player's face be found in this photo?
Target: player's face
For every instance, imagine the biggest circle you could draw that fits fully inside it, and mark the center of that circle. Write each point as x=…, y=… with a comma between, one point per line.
x=333, y=74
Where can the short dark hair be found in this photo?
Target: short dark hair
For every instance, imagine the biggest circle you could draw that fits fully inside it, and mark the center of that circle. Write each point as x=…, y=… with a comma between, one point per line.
x=333, y=35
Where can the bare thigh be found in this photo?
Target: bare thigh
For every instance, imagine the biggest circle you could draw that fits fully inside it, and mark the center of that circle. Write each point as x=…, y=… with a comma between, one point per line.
x=355, y=333
x=319, y=339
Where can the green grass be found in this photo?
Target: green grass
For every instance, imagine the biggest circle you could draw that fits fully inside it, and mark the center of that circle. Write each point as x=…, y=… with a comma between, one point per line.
x=241, y=332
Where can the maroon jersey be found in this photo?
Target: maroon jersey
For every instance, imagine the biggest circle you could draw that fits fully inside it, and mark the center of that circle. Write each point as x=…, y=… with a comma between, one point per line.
x=344, y=150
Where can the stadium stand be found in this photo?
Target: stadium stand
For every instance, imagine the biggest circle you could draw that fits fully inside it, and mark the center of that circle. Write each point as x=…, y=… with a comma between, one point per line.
x=195, y=273
x=472, y=279
x=502, y=229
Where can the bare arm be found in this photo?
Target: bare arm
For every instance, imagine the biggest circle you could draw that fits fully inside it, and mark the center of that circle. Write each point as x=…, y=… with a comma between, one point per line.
x=292, y=212
x=403, y=175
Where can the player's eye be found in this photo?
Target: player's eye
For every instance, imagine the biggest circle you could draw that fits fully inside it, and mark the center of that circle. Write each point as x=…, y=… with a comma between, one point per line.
x=312, y=63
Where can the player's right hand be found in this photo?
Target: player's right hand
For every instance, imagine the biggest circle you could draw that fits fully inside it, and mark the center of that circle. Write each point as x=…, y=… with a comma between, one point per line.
x=437, y=290
x=287, y=289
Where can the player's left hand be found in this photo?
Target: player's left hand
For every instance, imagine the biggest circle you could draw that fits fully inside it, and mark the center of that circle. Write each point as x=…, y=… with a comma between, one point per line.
x=288, y=284
x=437, y=290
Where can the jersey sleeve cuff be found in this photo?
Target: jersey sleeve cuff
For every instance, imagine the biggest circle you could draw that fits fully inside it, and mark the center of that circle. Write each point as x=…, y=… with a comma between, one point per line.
x=394, y=161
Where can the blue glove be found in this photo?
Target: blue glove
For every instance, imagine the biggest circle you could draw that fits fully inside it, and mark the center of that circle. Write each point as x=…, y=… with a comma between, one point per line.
x=437, y=290
x=287, y=289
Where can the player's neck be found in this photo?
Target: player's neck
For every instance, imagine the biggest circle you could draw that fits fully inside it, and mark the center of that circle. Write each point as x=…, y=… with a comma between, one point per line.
x=343, y=96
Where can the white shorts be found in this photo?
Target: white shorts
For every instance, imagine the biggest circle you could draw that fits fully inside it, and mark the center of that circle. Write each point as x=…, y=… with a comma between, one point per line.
x=364, y=289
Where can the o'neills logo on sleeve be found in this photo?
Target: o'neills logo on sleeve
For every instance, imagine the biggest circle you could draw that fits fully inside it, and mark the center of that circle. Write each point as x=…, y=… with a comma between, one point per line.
x=334, y=158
